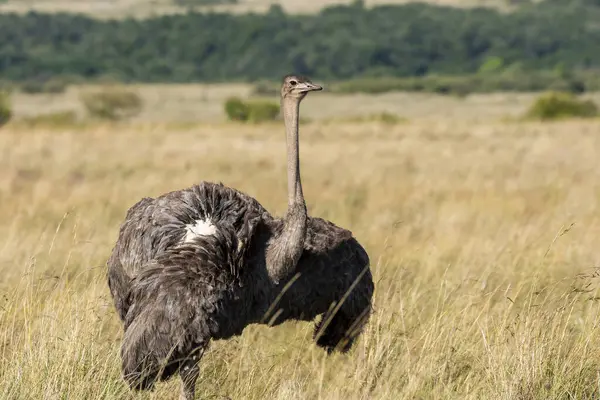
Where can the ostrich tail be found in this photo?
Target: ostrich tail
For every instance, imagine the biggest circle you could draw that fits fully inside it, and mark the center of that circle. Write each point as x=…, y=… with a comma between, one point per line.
x=171, y=316
x=147, y=352
x=178, y=302
x=119, y=284
x=164, y=331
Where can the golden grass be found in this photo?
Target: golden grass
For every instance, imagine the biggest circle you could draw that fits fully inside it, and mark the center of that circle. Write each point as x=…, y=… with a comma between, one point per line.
x=483, y=239
x=147, y=8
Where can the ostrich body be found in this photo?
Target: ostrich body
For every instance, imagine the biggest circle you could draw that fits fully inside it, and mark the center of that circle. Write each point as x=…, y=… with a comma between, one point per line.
x=204, y=262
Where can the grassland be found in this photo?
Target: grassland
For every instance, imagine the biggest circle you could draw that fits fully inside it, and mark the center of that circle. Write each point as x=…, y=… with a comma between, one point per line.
x=483, y=235
x=192, y=103
x=145, y=8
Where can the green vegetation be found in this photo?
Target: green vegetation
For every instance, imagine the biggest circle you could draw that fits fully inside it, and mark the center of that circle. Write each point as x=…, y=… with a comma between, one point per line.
x=340, y=43
x=556, y=105
x=112, y=103
x=262, y=110
x=251, y=111
x=5, y=108
x=236, y=109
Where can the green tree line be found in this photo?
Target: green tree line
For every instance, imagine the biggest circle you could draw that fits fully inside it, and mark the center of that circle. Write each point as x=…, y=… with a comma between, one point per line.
x=339, y=43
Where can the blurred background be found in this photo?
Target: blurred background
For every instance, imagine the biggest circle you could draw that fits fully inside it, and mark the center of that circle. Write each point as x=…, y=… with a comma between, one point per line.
x=458, y=141
x=187, y=57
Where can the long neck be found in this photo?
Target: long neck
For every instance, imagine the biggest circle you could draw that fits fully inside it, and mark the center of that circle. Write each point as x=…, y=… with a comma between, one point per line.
x=291, y=111
x=286, y=247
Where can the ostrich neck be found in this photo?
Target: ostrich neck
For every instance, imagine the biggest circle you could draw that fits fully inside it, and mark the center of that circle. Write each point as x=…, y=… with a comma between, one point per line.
x=291, y=111
x=286, y=248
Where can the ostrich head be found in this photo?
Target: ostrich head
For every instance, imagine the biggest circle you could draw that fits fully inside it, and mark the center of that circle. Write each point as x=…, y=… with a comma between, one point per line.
x=297, y=87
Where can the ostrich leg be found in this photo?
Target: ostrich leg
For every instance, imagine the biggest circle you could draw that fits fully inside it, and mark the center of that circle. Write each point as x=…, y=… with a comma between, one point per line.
x=189, y=374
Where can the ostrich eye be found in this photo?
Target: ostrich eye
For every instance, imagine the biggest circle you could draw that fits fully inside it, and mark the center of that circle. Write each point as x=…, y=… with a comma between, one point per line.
x=293, y=83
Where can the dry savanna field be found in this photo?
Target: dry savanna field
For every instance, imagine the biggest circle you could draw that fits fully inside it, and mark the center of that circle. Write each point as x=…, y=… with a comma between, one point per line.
x=483, y=232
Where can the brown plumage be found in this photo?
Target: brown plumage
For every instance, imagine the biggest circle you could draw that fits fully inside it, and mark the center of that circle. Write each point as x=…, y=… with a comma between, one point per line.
x=204, y=262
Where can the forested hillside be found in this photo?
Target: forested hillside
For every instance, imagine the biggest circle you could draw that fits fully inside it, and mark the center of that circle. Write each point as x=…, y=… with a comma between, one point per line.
x=338, y=43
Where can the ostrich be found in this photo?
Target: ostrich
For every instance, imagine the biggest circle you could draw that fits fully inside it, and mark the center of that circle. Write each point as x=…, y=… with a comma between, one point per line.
x=204, y=262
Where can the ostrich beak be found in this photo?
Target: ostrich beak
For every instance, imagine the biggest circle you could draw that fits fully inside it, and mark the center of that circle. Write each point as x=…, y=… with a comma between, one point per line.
x=309, y=87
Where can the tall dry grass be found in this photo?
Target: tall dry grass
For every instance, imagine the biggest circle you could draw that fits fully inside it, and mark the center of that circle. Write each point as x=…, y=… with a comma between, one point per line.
x=483, y=237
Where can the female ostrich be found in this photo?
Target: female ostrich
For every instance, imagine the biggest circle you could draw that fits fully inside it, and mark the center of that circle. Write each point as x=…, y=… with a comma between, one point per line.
x=205, y=262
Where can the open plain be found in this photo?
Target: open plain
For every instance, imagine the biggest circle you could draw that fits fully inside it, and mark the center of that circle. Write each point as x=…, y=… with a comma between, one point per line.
x=484, y=238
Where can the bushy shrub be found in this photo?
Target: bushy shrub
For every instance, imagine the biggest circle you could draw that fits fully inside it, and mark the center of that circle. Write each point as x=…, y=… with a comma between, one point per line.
x=557, y=105
x=112, y=103
x=236, y=109
x=5, y=108
x=251, y=111
x=262, y=110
